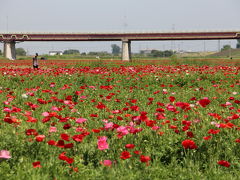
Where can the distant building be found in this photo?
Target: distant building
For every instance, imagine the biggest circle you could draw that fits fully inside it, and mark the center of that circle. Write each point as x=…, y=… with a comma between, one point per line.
x=146, y=51
x=53, y=53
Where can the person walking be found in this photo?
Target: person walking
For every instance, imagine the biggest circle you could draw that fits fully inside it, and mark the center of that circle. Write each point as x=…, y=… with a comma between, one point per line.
x=35, y=61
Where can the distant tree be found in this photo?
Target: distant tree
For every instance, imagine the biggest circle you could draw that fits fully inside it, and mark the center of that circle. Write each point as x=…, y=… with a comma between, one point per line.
x=71, y=51
x=168, y=53
x=238, y=44
x=100, y=53
x=156, y=53
x=21, y=52
x=226, y=47
x=115, y=49
x=91, y=53
x=0, y=52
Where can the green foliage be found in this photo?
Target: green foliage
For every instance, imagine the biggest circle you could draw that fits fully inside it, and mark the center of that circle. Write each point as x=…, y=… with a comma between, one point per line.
x=0, y=52
x=71, y=51
x=226, y=47
x=20, y=52
x=157, y=53
x=115, y=49
x=101, y=53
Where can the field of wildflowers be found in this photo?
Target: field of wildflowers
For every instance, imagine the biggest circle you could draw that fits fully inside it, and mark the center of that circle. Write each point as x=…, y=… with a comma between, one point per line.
x=119, y=121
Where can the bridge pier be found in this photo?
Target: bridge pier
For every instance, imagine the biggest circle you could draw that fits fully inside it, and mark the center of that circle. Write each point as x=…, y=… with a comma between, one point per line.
x=9, y=50
x=126, y=50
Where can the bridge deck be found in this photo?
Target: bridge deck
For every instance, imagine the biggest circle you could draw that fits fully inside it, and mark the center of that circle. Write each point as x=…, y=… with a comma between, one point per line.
x=119, y=36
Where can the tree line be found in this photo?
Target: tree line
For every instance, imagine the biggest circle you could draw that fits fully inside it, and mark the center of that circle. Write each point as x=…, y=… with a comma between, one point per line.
x=116, y=50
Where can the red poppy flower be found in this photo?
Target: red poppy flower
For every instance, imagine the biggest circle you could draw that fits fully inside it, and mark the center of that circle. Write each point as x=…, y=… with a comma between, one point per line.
x=171, y=98
x=213, y=131
x=190, y=134
x=65, y=137
x=125, y=155
x=137, y=152
x=189, y=144
x=67, y=126
x=101, y=105
x=150, y=123
x=145, y=158
x=224, y=163
x=93, y=115
x=36, y=164
x=60, y=144
x=69, y=160
x=134, y=108
x=31, y=119
x=204, y=102
x=69, y=145
x=63, y=157
x=207, y=137
x=237, y=140
x=40, y=138
x=30, y=132
x=129, y=146
x=96, y=130
x=51, y=142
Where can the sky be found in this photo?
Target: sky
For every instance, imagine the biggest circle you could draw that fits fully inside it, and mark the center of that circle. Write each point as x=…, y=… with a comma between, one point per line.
x=119, y=16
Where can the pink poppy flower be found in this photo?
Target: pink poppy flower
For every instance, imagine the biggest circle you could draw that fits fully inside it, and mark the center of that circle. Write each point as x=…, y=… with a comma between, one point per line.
x=52, y=129
x=102, y=143
x=92, y=87
x=6, y=109
x=67, y=102
x=171, y=108
x=83, y=97
x=108, y=125
x=107, y=163
x=228, y=104
x=81, y=120
x=52, y=84
x=155, y=128
x=4, y=154
x=28, y=113
x=6, y=102
x=54, y=108
x=45, y=114
x=123, y=130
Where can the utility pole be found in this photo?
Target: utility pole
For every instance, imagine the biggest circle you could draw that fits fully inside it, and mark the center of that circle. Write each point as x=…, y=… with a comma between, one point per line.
x=230, y=50
x=173, y=42
x=7, y=23
x=204, y=46
x=125, y=25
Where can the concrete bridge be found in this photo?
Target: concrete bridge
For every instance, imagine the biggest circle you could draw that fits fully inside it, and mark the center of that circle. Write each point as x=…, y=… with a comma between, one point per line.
x=10, y=39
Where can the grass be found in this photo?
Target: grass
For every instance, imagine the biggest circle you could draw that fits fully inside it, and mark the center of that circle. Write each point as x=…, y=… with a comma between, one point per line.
x=234, y=53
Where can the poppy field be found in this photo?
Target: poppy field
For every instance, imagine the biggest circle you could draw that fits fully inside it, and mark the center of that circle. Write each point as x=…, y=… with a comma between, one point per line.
x=119, y=121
